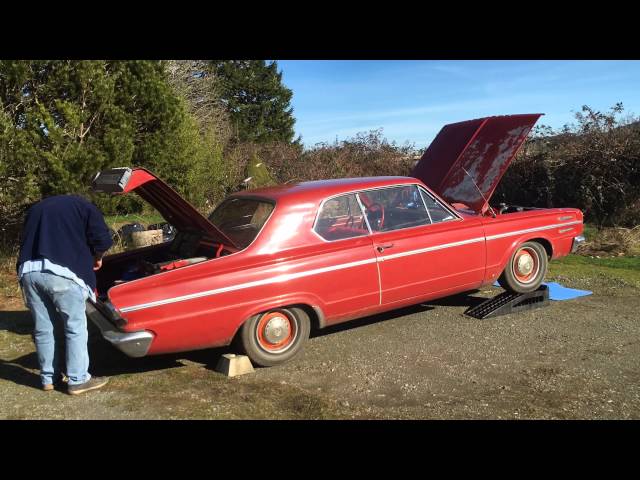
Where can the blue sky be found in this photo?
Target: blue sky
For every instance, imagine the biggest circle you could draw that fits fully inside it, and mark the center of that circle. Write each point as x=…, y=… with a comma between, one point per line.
x=412, y=100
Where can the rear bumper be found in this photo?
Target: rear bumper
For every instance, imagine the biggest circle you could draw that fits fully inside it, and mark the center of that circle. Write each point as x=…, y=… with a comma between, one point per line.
x=132, y=344
x=577, y=241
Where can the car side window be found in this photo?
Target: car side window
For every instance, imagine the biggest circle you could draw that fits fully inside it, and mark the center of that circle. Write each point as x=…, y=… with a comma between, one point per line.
x=437, y=212
x=341, y=217
x=394, y=208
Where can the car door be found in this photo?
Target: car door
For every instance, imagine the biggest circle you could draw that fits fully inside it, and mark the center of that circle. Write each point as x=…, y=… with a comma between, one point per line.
x=423, y=247
x=349, y=282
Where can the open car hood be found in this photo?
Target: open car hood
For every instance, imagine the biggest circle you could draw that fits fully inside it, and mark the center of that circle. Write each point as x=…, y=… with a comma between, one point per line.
x=466, y=160
x=173, y=208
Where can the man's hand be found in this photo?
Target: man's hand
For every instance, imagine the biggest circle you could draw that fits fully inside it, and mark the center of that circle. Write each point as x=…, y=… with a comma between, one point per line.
x=97, y=261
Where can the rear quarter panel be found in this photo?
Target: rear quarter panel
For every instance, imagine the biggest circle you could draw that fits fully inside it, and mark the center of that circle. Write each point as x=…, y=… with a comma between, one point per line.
x=555, y=228
x=203, y=305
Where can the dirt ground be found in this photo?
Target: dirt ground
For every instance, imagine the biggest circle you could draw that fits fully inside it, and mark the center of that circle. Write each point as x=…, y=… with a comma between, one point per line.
x=575, y=359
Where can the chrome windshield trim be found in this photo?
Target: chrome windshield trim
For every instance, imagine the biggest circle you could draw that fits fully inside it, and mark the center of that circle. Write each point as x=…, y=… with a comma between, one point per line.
x=442, y=204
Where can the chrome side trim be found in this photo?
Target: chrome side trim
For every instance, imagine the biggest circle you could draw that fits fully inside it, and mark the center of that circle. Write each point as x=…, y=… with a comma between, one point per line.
x=531, y=230
x=277, y=279
x=431, y=249
x=292, y=276
x=182, y=269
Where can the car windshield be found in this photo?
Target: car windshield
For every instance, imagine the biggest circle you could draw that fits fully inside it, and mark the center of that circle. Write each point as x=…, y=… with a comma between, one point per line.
x=241, y=219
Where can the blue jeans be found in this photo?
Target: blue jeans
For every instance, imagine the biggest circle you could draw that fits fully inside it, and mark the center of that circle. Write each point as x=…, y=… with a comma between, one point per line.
x=58, y=303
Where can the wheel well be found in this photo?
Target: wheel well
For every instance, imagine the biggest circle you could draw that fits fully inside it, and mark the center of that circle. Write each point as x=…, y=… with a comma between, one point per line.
x=313, y=314
x=545, y=243
x=314, y=317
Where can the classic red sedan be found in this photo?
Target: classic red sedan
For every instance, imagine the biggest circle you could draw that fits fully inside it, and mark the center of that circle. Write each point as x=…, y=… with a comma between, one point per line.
x=269, y=264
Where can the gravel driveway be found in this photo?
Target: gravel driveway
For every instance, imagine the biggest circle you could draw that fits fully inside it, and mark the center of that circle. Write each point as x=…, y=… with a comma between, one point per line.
x=573, y=359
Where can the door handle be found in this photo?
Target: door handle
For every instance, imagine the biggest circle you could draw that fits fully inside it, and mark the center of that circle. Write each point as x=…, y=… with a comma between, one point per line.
x=382, y=248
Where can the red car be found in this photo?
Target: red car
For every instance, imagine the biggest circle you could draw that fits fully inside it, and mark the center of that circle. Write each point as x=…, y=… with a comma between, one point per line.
x=269, y=264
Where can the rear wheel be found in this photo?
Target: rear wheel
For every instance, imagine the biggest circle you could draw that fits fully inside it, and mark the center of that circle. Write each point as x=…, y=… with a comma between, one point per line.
x=275, y=336
x=526, y=268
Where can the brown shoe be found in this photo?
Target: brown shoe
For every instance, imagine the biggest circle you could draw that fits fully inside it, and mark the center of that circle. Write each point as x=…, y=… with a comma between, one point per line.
x=48, y=387
x=93, y=384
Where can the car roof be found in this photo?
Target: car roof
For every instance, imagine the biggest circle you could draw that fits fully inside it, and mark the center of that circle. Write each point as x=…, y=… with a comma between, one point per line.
x=316, y=191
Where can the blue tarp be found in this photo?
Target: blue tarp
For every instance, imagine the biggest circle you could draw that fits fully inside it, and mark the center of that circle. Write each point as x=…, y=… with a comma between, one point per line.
x=558, y=292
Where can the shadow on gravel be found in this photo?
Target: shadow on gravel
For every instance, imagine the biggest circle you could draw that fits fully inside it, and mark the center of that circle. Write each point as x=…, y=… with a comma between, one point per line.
x=19, y=370
x=380, y=317
x=105, y=360
x=460, y=300
x=109, y=362
x=19, y=322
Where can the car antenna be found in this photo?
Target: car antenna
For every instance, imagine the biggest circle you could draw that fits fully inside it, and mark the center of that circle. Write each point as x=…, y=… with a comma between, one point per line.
x=493, y=213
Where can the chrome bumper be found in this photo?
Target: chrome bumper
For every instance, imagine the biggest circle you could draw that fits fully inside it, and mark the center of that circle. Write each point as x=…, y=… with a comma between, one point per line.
x=577, y=241
x=132, y=344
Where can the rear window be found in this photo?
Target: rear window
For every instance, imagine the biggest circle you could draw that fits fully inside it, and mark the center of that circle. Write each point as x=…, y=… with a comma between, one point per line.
x=241, y=219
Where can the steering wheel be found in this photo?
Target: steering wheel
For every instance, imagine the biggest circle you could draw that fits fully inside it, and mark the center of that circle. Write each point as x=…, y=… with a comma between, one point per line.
x=377, y=208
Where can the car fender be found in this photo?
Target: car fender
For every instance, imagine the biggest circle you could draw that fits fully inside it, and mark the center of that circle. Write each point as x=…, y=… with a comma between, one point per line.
x=306, y=299
x=520, y=240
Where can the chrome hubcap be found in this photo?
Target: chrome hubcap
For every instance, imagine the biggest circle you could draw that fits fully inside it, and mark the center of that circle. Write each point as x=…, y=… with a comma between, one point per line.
x=276, y=330
x=525, y=264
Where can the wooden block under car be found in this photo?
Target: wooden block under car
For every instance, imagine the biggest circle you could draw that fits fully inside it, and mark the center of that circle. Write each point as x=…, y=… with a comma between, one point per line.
x=233, y=365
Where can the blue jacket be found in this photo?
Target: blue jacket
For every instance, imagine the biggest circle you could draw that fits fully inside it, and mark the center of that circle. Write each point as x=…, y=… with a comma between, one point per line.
x=67, y=230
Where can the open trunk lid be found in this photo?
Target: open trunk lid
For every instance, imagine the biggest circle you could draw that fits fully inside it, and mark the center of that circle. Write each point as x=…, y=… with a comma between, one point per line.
x=173, y=208
x=466, y=160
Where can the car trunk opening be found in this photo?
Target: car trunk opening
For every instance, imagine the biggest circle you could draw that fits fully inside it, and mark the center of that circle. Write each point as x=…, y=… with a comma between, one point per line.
x=197, y=239
x=173, y=208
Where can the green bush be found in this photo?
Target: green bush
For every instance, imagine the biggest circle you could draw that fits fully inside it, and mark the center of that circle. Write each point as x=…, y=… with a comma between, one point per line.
x=593, y=165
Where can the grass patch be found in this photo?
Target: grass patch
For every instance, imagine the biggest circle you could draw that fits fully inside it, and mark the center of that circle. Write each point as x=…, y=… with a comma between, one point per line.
x=9, y=287
x=625, y=269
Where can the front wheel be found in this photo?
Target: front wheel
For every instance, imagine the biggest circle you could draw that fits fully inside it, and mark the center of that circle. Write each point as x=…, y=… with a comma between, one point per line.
x=275, y=336
x=526, y=268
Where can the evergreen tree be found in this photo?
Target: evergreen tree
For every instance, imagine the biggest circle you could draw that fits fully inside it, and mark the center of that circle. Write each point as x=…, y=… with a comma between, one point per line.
x=62, y=121
x=256, y=99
